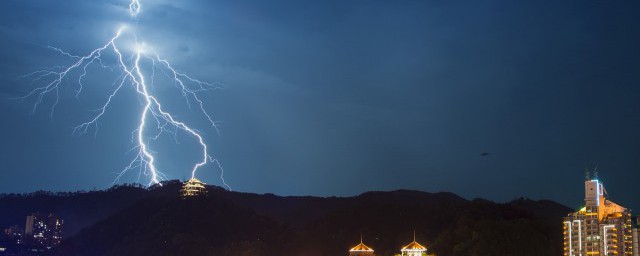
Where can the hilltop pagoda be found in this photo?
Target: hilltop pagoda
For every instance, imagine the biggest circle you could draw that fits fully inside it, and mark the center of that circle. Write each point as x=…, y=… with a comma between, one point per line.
x=193, y=187
x=361, y=250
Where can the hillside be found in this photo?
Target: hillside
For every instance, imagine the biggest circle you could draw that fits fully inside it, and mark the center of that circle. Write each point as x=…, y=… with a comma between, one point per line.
x=158, y=222
x=80, y=209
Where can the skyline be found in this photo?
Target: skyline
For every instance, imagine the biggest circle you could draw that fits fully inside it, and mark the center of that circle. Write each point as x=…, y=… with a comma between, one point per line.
x=333, y=98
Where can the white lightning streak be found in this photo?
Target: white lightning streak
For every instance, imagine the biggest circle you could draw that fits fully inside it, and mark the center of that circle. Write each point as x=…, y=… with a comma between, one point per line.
x=134, y=7
x=152, y=109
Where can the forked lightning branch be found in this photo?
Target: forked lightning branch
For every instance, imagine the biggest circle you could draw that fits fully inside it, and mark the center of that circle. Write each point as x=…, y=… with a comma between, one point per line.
x=153, y=115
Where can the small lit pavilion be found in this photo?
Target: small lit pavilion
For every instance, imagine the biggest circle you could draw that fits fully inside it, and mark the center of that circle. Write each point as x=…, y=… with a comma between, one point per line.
x=414, y=248
x=361, y=250
x=193, y=187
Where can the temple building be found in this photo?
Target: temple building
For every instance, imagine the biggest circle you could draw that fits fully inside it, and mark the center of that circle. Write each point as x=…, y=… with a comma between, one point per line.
x=414, y=248
x=193, y=187
x=361, y=250
x=601, y=227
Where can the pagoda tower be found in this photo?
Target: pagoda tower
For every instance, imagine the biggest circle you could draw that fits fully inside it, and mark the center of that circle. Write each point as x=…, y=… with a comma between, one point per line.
x=193, y=187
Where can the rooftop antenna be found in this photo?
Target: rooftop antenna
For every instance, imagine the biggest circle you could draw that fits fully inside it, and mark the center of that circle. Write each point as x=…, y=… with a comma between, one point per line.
x=361, y=237
x=587, y=175
x=595, y=172
x=414, y=234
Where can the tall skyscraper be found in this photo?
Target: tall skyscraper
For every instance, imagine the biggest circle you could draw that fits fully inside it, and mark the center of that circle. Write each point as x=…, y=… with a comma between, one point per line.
x=636, y=250
x=636, y=238
x=43, y=230
x=601, y=227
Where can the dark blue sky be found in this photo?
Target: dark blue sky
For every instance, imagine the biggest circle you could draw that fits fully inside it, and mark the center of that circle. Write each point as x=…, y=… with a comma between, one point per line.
x=342, y=97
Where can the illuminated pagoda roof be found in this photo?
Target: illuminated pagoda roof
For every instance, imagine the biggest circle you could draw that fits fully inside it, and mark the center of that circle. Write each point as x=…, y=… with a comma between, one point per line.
x=193, y=187
x=414, y=248
x=361, y=249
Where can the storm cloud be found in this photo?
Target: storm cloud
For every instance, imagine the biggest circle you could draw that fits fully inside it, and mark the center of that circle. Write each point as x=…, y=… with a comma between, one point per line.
x=342, y=97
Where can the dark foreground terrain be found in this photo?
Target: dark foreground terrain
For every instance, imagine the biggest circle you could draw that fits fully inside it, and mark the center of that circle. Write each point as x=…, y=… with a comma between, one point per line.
x=130, y=220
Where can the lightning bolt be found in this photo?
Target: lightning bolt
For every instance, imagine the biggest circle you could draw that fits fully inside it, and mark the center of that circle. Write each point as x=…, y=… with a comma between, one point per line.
x=153, y=113
x=134, y=7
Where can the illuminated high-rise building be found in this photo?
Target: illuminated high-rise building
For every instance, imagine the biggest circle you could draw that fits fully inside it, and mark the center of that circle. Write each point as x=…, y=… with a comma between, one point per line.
x=193, y=187
x=361, y=250
x=601, y=227
x=15, y=234
x=43, y=230
x=636, y=238
x=636, y=249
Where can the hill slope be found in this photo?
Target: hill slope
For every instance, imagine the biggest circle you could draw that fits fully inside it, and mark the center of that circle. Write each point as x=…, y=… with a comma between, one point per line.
x=232, y=223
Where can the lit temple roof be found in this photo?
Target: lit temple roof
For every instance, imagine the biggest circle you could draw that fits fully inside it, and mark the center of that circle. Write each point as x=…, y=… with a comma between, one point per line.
x=414, y=246
x=361, y=248
x=193, y=182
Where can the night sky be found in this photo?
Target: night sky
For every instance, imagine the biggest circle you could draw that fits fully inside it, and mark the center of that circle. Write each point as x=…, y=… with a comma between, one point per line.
x=342, y=97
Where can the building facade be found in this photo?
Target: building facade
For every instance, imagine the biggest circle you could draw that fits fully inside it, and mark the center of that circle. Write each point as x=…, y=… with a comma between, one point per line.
x=43, y=230
x=636, y=249
x=601, y=227
x=15, y=234
x=636, y=237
